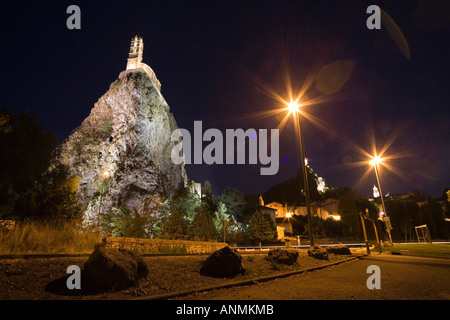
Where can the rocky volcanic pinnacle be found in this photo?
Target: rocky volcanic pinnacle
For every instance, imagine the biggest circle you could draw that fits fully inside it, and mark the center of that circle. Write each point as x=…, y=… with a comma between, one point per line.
x=125, y=142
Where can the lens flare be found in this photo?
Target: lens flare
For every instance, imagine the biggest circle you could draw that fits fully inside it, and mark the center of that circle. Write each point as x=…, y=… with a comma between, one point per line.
x=375, y=160
x=298, y=104
x=293, y=106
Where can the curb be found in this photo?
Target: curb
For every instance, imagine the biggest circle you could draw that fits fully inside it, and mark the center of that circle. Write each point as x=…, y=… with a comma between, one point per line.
x=409, y=254
x=244, y=282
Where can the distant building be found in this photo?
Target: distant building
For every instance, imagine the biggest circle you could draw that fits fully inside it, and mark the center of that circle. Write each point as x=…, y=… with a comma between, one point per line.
x=257, y=202
x=323, y=209
x=266, y=210
x=285, y=210
x=328, y=209
x=282, y=213
x=279, y=208
x=284, y=228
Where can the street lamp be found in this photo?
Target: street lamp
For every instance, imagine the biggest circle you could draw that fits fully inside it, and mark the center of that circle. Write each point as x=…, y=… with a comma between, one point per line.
x=374, y=163
x=376, y=160
x=293, y=108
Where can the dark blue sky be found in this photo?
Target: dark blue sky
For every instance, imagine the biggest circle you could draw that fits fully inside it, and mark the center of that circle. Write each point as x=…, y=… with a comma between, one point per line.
x=210, y=57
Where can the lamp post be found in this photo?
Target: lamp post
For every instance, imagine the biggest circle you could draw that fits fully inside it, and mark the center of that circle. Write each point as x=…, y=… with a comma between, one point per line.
x=293, y=107
x=374, y=162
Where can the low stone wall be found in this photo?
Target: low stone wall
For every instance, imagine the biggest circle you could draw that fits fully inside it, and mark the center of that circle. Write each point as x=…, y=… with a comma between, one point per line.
x=162, y=245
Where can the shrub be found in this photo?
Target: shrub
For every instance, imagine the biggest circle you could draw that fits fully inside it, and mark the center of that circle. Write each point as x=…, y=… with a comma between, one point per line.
x=44, y=237
x=202, y=227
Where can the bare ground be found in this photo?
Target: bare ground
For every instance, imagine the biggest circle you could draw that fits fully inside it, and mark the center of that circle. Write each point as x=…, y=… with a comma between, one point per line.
x=26, y=279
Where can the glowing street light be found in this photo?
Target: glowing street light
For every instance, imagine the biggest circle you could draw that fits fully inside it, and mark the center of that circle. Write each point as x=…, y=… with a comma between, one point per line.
x=294, y=108
x=376, y=160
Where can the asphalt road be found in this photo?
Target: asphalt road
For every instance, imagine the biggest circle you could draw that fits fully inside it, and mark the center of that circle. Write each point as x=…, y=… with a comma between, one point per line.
x=401, y=278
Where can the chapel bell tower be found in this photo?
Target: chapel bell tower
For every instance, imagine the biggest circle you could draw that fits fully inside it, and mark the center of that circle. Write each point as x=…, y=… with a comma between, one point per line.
x=135, y=63
x=136, y=52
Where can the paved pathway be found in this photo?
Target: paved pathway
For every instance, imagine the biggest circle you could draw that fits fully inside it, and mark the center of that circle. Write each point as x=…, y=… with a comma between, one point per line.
x=402, y=277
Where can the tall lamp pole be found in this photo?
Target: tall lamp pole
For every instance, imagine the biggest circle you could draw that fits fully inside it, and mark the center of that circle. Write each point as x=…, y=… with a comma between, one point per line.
x=374, y=162
x=293, y=107
x=375, y=167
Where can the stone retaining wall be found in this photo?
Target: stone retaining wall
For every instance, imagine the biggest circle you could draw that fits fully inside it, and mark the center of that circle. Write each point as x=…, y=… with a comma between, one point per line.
x=162, y=245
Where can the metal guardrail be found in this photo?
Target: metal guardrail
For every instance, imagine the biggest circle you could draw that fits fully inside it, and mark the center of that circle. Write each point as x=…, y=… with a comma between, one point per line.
x=266, y=248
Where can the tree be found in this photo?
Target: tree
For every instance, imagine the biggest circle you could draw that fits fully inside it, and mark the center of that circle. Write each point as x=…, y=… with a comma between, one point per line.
x=151, y=215
x=202, y=226
x=341, y=192
x=234, y=201
x=333, y=228
x=143, y=223
x=208, y=198
x=234, y=233
x=434, y=217
x=29, y=187
x=299, y=224
x=220, y=216
x=349, y=216
x=115, y=220
x=400, y=216
x=289, y=191
x=120, y=222
x=260, y=229
x=186, y=203
x=5, y=123
x=57, y=194
x=25, y=153
x=318, y=226
x=175, y=226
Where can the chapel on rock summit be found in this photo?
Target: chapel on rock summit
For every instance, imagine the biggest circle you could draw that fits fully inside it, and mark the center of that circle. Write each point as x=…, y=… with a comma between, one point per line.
x=135, y=61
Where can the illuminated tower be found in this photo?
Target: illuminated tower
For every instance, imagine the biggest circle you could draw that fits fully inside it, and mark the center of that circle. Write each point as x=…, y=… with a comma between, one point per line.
x=136, y=52
x=135, y=61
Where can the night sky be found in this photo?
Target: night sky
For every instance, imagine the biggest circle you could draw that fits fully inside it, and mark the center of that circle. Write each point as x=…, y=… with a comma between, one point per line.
x=214, y=59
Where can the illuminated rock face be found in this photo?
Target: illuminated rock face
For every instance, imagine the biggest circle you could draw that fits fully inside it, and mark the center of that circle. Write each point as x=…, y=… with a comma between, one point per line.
x=128, y=136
